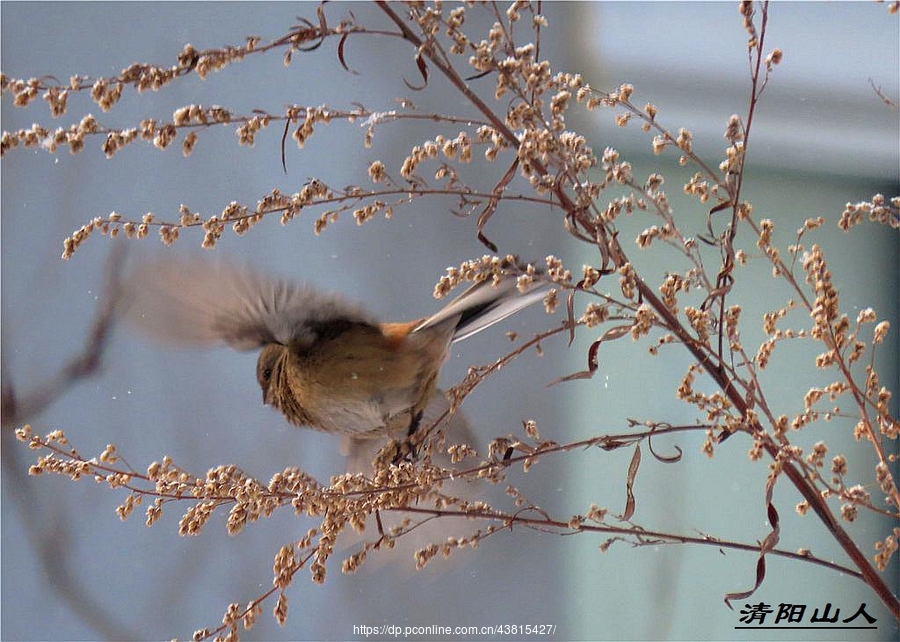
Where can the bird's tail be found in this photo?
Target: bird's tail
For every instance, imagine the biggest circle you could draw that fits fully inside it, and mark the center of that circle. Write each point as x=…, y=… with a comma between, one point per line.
x=484, y=304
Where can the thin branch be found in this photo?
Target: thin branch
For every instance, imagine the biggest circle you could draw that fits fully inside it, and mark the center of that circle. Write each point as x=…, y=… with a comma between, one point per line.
x=52, y=553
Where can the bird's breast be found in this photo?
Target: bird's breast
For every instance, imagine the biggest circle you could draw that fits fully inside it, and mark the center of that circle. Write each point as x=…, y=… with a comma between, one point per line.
x=365, y=381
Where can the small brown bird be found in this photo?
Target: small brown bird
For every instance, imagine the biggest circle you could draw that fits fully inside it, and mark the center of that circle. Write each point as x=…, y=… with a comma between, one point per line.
x=325, y=363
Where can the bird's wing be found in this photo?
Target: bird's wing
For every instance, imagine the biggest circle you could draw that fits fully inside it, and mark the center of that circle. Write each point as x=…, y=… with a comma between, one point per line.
x=201, y=302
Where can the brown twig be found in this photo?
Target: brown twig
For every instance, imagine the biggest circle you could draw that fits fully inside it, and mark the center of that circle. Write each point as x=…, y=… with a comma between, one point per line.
x=671, y=322
x=17, y=407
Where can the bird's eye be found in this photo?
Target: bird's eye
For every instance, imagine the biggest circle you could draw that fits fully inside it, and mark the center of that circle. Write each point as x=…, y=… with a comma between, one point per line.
x=267, y=374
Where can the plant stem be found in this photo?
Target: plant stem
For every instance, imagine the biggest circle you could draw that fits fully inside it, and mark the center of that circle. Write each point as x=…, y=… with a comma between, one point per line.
x=616, y=253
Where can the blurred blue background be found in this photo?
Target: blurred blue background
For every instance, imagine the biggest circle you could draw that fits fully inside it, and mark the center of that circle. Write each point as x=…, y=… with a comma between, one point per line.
x=72, y=570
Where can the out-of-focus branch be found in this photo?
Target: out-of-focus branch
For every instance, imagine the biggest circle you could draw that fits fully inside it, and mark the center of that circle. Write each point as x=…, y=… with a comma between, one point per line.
x=18, y=407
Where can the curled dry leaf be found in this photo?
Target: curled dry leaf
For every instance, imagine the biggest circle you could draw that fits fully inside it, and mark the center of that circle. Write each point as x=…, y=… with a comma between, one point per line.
x=629, y=483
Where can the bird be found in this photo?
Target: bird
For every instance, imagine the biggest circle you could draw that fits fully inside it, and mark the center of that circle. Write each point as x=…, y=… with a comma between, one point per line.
x=325, y=362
